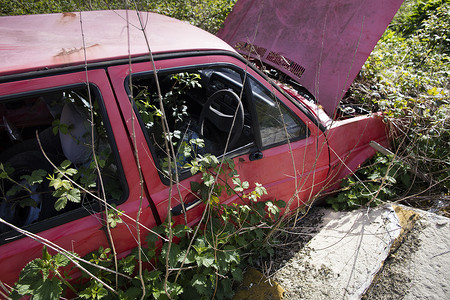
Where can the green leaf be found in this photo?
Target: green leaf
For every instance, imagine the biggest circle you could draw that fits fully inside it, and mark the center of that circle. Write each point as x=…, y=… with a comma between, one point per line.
x=101, y=163
x=30, y=278
x=374, y=176
x=45, y=255
x=187, y=259
x=199, y=282
x=195, y=186
x=174, y=290
x=173, y=254
x=65, y=164
x=61, y=260
x=71, y=172
x=236, y=180
x=65, y=184
x=49, y=289
x=130, y=293
x=231, y=254
x=206, y=259
x=13, y=190
x=27, y=202
x=74, y=195
x=181, y=230
x=60, y=203
x=37, y=176
x=246, y=185
x=391, y=179
x=260, y=189
x=237, y=274
x=281, y=203
x=208, y=179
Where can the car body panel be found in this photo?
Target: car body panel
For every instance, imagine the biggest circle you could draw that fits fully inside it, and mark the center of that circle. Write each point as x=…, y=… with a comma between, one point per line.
x=83, y=235
x=297, y=170
x=280, y=182
x=35, y=42
x=321, y=44
x=346, y=155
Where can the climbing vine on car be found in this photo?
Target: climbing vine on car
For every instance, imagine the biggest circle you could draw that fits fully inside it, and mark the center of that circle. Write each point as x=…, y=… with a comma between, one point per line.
x=205, y=261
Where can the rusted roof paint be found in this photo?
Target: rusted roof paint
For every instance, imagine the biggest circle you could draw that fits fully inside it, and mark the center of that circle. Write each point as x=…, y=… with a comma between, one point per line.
x=69, y=14
x=74, y=50
x=35, y=42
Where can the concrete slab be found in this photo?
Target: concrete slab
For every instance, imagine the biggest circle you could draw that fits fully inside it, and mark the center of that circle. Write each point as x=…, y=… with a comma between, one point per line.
x=390, y=252
x=343, y=258
x=420, y=267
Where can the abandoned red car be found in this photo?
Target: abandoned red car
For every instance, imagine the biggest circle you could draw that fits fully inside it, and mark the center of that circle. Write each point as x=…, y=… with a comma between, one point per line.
x=83, y=87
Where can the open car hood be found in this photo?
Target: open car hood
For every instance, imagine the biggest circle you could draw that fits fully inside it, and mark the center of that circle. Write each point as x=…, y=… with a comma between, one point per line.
x=321, y=44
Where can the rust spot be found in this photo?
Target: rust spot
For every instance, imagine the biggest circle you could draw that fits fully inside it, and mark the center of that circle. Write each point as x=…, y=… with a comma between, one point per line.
x=67, y=17
x=70, y=51
x=69, y=14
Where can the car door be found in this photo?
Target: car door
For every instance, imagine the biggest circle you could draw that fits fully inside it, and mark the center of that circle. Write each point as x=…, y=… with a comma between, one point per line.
x=293, y=163
x=290, y=168
x=42, y=104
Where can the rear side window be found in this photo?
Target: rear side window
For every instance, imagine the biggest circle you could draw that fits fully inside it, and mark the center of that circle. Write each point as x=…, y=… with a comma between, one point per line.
x=70, y=130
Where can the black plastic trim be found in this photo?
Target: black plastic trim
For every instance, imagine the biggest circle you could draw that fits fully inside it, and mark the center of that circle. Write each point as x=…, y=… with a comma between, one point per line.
x=146, y=58
x=81, y=212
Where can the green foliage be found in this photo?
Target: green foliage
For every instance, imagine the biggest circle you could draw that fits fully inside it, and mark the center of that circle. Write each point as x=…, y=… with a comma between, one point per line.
x=207, y=264
x=13, y=194
x=206, y=14
x=375, y=183
x=64, y=189
x=113, y=216
x=42, y=278
x=407, y=76
x=199, y=262
x=414, y=14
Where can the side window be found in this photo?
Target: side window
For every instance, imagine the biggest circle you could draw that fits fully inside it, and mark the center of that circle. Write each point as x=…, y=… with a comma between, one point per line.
x=203, y=103
x=59, y=122
x=277, y=124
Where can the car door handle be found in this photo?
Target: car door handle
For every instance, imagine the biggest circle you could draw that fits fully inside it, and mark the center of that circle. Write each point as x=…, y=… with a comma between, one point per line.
x=178, y=210
x=256, y=155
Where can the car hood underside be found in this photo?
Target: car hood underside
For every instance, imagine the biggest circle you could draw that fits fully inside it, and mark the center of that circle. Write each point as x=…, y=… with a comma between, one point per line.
x=321, y=44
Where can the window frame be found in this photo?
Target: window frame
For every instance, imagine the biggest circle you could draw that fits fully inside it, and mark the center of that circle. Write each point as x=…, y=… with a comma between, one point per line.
x=173, y=70
x=283, y=105
x=257, y=143
x=79, y=212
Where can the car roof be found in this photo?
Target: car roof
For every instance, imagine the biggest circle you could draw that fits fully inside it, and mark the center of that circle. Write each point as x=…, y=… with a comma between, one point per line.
x=35, y=42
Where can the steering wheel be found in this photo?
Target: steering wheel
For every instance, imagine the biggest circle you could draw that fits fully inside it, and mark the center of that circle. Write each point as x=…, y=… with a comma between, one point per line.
x=220, y=109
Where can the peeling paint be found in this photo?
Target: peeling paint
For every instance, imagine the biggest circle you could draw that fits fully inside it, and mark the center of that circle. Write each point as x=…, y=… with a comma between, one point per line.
x=67, y=17
x=70, y=51
x=69, y=14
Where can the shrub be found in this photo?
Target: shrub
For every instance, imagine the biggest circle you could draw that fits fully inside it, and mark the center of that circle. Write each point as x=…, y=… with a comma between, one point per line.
x=407, y=76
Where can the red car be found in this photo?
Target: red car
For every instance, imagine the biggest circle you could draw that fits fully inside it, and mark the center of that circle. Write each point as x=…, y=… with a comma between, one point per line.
x=85, y=83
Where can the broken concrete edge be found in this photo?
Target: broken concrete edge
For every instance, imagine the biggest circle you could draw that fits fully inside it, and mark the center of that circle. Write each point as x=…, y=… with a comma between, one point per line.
x=407, y=218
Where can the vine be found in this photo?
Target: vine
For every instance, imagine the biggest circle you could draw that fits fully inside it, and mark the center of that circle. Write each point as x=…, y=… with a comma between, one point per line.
x=205, y=261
